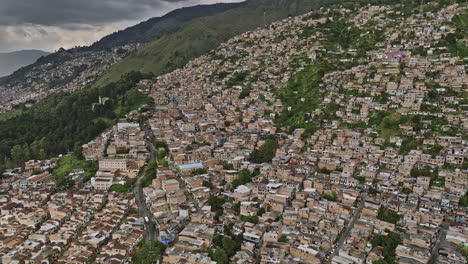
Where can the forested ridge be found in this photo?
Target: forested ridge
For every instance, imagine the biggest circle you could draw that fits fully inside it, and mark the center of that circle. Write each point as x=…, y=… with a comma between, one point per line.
x=64, y=121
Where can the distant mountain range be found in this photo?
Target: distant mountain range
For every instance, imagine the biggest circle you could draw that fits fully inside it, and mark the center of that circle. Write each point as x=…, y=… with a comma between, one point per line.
x=12, y=61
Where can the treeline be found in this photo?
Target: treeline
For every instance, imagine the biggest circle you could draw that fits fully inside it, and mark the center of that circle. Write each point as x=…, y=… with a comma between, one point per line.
x=63, y=121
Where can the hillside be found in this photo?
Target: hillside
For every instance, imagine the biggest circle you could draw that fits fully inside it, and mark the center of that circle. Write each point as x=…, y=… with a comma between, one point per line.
x=174, y=46
x=335, y=136
x=74, y=69
x=12, y=61
x=154, y=27
x=204, y=34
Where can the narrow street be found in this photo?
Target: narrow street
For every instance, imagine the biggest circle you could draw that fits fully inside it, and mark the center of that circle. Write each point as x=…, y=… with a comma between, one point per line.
x=151, y=227
x=183, y=186
x=152, y=232
x=344, y=236
x=440, y=237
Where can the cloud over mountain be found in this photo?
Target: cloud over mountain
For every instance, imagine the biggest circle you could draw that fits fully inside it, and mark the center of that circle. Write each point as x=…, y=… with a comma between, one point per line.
x=51, y=24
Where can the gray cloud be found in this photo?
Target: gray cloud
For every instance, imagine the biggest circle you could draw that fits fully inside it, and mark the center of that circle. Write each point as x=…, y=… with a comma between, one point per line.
x=51, y=24
x=62, y=12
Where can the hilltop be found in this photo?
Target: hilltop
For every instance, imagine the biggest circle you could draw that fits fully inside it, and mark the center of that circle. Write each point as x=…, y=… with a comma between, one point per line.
x=204, y=34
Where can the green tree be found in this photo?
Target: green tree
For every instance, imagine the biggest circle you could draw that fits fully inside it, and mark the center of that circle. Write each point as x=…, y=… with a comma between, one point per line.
x=388, y=215
x=266, y=152
x=251, y=219
x=78, y=151
x=17, y=154
x=464, y=200
x=220, y=256
x=331, y=197
x=216, y=203
x=283, y=239
x=389, y=243
x=261, y=211
x=148, y=252
x=229, y=246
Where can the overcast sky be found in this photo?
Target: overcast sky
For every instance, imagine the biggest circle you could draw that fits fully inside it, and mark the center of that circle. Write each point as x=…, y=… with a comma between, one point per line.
x=51, y=24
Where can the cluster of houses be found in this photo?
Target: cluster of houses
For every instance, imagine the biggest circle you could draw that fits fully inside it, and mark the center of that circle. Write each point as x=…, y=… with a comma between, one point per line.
x=109, y=236
x=325, y=196
x=121, y=153
x=39, y=225
x=73, y=71
x=383, y=177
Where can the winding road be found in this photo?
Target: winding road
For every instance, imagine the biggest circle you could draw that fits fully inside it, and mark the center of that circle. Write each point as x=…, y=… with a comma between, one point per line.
x=344, y=236
x=151, y=227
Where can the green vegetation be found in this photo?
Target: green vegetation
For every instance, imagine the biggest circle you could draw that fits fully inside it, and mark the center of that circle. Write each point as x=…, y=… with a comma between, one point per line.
x=251, y=219
x=220, y=256
x=463, y=200
x=388, y=215
x=361, y=179
x=406, y=190
x=62, y=121
x=389, y=125
x=132, y=100
x=301, y=96
x=331, y=197
x=244, y=177
x=237, y=79
x=427, y=171
x=11, y=114
x=244, y=93
x=227, y=166
x=236, y=208
x=208, y=184
x=66, y=165
x=261, y=211
x=149, y=173
x=199, y=171
x=438, y=181
x=148, y=252
x=216, y=203
x=433, y=150
x=228, y=244
x=174, y=49
x=123, y=188
x=455, y=41
x=161, y=152
x=423, y=171
x=389, y=243
x=283, y=239
x=408, y=144
x=464, y=251
x=266, y=152
x=324, y=171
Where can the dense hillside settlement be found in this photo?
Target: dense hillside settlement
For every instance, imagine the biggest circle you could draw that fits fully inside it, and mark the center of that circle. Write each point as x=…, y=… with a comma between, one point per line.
x=338, y=136
x=71, y=70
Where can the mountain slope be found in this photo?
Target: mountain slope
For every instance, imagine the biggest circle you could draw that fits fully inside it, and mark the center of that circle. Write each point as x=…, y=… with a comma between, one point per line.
x=55, y=124
x=202, y=35
x=148, y=30
x=73, y=69
x=12, y=61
